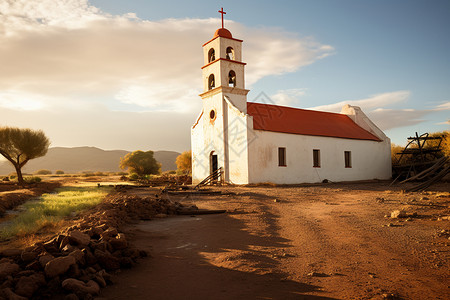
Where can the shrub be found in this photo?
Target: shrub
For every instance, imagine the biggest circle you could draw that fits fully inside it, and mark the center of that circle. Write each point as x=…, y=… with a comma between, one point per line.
x=34, y=179
x=43, y=172
x=134, y=176
x=100, y=174
x=59, y=172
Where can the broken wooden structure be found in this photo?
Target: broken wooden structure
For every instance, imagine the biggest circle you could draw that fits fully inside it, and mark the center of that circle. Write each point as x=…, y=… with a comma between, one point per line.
x=215, y=177
x=421, y=160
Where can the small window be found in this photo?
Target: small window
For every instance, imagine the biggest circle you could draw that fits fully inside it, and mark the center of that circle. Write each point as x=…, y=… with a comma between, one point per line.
x=231, y=79
x=282, y=157
x=211, y=55
x=348, y=159
x=211, y=83
x=316, y=158
x=230, y=53
x=212, y=114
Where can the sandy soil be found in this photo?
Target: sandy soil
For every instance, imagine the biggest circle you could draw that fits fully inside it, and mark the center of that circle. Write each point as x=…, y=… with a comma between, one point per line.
x=329, y=241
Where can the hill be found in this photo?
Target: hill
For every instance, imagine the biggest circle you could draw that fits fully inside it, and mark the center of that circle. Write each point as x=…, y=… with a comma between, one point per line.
x=79, y=159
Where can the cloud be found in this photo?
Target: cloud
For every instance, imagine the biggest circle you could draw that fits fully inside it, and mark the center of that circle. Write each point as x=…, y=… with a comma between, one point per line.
x=443, y=106
x=395, y=118
x=444, y=123
x=288, y=97
x=70, y=54
x=377, y=108
x=374, y=101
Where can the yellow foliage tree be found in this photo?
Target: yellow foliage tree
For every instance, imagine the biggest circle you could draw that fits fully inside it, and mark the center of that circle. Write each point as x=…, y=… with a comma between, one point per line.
x=184, y=163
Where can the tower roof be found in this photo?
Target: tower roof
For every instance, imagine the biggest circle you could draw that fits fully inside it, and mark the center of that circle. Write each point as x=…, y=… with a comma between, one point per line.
x=306, y=122
x=223, y=32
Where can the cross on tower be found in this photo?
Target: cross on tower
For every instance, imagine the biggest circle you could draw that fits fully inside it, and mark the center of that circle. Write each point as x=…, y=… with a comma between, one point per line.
x=223, y=13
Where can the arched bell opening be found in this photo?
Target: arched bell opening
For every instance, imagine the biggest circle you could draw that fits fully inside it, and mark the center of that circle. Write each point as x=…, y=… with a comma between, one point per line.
x=230, y=53
x=211, y=55
x=232, y=79
x=211, y=82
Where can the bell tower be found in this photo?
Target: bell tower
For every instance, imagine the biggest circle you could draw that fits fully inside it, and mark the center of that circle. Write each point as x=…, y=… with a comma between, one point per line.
x=223, y=69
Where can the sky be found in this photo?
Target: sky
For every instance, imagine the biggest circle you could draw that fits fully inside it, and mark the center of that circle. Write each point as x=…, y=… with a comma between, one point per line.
x=119, y=74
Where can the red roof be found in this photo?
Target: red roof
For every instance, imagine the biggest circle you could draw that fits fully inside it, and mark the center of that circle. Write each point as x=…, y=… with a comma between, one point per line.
x=223, y=32
x=307, y=122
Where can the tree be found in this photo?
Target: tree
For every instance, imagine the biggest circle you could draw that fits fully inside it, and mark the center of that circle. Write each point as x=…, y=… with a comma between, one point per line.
x=140, y=162
x=184, y=163
x=19, y=145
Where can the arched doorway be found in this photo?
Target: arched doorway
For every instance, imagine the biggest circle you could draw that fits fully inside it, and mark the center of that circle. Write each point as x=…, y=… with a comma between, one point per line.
x=213, y=162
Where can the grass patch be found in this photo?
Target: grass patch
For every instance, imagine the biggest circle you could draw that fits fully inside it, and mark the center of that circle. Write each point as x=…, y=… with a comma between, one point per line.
x=51, y=209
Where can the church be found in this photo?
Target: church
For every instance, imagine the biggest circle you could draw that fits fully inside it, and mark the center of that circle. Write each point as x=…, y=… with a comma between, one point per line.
x=265, y=143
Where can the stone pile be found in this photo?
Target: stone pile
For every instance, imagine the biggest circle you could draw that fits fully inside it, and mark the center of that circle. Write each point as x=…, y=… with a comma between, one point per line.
x=76, y=263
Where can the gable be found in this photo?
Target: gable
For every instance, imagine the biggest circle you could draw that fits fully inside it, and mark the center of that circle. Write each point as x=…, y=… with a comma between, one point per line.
x=306, y=122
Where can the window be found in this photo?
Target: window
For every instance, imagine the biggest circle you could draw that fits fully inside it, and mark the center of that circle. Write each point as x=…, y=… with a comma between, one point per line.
x=212, y=114
x=211, y=55
x=230, y=53
x=282, y=157
x=316, y=158
x=348, y=159
x=211, y=83
x=231, y=79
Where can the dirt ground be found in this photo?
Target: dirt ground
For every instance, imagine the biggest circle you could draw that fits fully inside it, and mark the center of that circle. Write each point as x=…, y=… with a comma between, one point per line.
x=329, y=241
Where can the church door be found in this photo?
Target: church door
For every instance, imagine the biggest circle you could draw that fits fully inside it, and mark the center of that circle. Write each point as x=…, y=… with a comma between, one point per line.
x=214, y=165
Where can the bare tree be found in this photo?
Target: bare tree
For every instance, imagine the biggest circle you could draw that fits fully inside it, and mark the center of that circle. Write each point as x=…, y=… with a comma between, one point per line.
x=19, y=145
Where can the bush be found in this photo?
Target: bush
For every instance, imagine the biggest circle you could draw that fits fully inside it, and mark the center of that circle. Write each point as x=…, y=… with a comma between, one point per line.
x=100, y=174
x=43, y=172
x=59, y=172
x=34, y=179
x=134, y=176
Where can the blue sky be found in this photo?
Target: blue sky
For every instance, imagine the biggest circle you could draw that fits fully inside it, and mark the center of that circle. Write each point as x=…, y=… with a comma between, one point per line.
x=114, y=73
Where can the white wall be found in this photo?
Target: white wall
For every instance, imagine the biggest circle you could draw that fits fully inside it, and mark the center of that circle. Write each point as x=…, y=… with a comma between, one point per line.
x=370, y=159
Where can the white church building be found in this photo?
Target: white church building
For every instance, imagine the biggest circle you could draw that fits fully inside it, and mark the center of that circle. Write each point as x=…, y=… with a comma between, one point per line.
x=260, y=143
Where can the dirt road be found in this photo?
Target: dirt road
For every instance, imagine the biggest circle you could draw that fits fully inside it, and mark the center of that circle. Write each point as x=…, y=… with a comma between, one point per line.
x=317, y=242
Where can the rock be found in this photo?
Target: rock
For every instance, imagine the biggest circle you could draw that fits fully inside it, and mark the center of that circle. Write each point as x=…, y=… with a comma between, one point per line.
x=35, y=266
x=79, y=256
x=399, y=214
x=95, y=232
x=68, y=248
x=44, y=259
x=107, y=261
x=71, y=297
x=110, y=232
x=317, y=274
x=100, y=280
x=59, y=266
x=10, y=252
x=27, y=285
x=28, y=257
x=79, y=238
x=126, y=262
x=10, y=295
x=105, y=276
x=74, y=285
x=7, y=269
x=74, y=271
x=89, y=257
x=119, y=242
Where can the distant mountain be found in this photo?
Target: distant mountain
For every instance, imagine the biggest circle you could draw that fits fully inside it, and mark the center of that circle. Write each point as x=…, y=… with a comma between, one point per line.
x=78, y=159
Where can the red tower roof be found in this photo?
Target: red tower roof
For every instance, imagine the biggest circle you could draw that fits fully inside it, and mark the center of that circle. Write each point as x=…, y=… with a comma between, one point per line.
x=223, y=32
x=306, y=122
